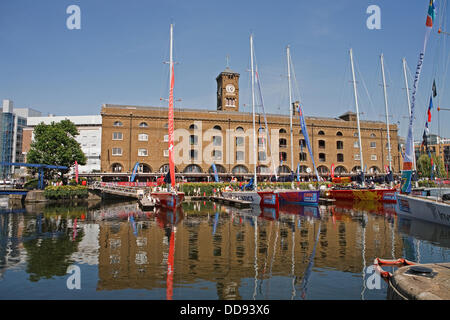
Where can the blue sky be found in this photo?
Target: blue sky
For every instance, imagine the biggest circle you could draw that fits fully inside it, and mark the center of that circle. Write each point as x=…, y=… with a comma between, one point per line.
x=117, y=56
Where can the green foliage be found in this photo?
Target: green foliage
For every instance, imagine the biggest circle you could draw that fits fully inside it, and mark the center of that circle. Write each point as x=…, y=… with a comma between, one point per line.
x=424, y=166
x=31, y=184
x=55, y=144
x=190, y=189
x=66, y=192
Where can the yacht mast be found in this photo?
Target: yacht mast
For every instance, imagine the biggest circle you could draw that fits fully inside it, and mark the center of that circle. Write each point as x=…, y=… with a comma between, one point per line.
x=387, y=114
x=253, y=109
x=357, y=115
x=288, y=54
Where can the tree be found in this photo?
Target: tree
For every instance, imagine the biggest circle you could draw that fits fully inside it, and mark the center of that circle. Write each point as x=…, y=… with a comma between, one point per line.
x=424, y=166
x=55, y=144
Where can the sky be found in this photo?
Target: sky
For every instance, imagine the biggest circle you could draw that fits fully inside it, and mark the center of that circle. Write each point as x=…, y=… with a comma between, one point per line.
x=118, y=55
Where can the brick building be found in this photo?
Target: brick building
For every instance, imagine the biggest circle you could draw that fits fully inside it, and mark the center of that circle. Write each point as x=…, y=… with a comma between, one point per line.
x=224, y=137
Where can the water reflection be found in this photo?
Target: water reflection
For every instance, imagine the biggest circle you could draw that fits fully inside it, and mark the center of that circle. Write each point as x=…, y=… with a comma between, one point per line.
x=205, y=250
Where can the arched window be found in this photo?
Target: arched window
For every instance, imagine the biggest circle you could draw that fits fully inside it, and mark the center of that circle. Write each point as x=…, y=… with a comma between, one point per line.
x=321, y=144
x=284, y=169
x=372, y=135
x=219, y=168
x=192, y=168
x=282, y=130
x=300, y=132
x=262, y=169
x=118, y=124
x=239, y=169
x=239, y=129
x=339, y=134
x=217, y=128
x=323, y=169
x=283, y=143
x=340, y=170
x=321, y=133
x=356, y=169
x=116, y=167
x=144, y=168
x=165, y=168
x=303, y=169
x=340, y=157
x=322, y=157
x=193, y=127
x=374, y=169
x=143, y=125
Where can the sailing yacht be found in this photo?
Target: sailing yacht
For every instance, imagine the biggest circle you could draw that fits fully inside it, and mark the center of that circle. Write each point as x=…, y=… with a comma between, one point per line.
x=362, y=193
x=172, y=198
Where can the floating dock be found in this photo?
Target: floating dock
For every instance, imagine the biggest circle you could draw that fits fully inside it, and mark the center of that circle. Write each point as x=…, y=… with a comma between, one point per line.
x=420, y=282
x=232, y=202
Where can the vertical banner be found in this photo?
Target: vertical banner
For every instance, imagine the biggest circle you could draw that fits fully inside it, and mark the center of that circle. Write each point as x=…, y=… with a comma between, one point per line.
x=332, y=171
x=305, y=134
x=76, y=171
x=409, y=153
x=216, y=176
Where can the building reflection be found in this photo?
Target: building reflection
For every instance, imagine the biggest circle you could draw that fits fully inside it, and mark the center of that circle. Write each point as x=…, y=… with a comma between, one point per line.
x=229, y=246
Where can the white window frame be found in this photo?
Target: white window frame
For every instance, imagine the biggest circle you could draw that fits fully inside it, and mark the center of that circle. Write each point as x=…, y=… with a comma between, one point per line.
x=142, y=152
x=115, y=153
x=118, y=133
x=166, y=153
x=373, y=157
x=141, y=137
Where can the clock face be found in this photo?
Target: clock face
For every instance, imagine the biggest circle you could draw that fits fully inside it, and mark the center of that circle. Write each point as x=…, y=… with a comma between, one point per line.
x=230, y=88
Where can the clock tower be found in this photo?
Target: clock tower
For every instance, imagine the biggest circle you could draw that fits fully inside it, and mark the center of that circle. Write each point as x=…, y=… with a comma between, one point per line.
x=228, y=90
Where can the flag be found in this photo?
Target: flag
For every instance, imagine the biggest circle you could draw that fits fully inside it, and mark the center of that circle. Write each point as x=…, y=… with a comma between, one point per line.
x=431, y=14
x=429, y=108
x=76, y=171
x=434, y=89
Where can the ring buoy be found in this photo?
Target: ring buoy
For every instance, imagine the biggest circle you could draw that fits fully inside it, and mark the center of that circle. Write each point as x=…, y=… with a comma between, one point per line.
x=395, y=263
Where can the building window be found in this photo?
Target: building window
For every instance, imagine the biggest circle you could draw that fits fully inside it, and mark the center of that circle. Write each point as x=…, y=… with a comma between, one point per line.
x=302, y=156
x=217, y=155
x=357, y=157
x=116, y=151
x=239, y=141
x=262, y=156
x=166, y=138
x=239, y=129
x=282, y=130
x=193, y=127
x=321, y=133
x=283, y=143
x=339, y=134
x=143, y=125
x=283, y=156
x=321, y=144
x=193, y=139
x=356, y=144
x=322, y=157
x=117, y=136
x=166, y=125
x=166, y=153
x=143, y=137
x=118, y=124
x=340, y=157
x=142, y=153
x=193, y=155
x=230, y=102
x=373, y=144
x=260, y=142
x=217, y=140
x=302, y=143
x=373, y=157
x=116, y=167
x=355, y=134
x=239, y=155
x=261, y=130
x=372, y=135
x=217, y=128
x=339, y=145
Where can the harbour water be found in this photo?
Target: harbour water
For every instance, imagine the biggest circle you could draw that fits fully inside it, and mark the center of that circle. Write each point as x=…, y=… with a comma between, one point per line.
x=207, y=251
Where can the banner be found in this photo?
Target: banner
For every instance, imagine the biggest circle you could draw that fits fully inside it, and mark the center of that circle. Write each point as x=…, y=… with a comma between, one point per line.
x=216, y=176
x=332, y=170
x=305, y=134
x=76, y=171
x=409, y=153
